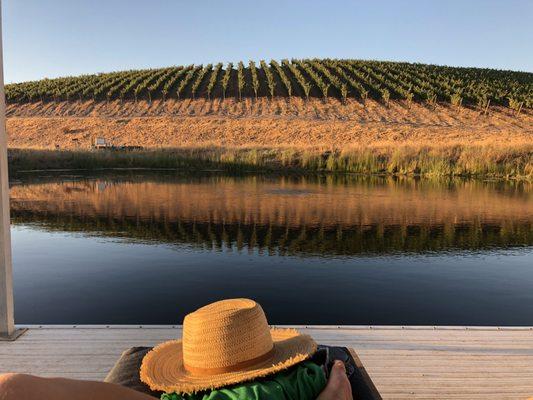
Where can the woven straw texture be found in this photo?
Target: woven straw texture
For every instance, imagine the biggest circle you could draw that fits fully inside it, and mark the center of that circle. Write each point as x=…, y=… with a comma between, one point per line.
x=224, y=343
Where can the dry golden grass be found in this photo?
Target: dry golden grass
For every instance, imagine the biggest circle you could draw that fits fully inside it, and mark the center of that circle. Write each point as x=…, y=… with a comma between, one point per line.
x=370, y=138
x=258, y=123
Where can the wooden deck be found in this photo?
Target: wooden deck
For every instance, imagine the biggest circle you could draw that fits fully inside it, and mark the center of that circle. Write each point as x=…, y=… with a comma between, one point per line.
x=404, y=362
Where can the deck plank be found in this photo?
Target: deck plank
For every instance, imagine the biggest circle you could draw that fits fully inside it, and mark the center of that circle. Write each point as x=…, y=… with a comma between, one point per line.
x=410, y=363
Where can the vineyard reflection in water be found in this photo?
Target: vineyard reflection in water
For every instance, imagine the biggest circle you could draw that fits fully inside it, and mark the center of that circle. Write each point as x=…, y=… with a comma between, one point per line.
x=139, y=247
x=287, y=216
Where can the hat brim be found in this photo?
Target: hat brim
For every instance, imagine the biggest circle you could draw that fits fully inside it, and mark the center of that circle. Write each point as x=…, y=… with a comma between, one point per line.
x=162, y=368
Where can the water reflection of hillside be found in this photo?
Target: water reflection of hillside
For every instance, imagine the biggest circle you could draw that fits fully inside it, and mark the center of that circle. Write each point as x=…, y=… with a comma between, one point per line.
x=286, y=215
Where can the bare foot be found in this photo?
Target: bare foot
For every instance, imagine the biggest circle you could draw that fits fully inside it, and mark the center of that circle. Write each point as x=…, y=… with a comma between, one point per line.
x=338, y=386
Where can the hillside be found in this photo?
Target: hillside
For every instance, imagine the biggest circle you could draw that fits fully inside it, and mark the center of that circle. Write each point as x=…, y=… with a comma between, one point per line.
x=341, y=79
x=314, y=114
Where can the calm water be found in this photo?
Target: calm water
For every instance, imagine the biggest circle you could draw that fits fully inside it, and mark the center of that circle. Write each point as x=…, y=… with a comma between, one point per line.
x=148, y=248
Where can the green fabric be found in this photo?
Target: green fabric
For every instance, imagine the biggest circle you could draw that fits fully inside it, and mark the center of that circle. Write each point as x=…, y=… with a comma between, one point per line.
x=303, y=382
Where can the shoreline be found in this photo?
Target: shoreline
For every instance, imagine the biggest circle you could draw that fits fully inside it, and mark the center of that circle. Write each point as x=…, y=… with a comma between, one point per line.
x=479, y=161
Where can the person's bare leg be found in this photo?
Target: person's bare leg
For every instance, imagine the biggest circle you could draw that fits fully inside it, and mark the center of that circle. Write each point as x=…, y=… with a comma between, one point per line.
x=338, y=386
x=28, y=387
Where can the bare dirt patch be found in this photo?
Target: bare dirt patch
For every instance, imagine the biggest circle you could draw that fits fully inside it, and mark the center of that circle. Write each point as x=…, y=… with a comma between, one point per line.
x=263, y=122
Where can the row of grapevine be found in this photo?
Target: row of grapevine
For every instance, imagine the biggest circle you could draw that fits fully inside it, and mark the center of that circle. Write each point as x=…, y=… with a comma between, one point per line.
x=240, y=79
x=282, y=76
x=199, y=79
x=405, y=90
x=356, y=87
x=136, y=85
x=186, y=79
x=371, y=86
x=172, y=81
x=271, y=82
x=152, y=85
x=333, y=79
x=105, y=87
x=225, y=79
x=382, y=81
x=314, y=77
x=255, y=78
x=213, y=79
x=302, y=81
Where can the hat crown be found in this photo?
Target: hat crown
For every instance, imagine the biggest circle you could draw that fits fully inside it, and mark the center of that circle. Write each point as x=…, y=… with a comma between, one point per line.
x=225, y=335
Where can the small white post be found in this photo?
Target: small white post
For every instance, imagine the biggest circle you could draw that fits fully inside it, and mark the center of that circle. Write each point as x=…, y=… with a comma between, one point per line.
x=7, y=324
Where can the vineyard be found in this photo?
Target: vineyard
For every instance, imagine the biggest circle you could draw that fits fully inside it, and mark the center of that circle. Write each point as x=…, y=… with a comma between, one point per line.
x=318, y=78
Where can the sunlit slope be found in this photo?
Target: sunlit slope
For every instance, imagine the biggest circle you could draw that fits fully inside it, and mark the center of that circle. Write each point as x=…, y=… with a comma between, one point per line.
x=266, y=123
x=319, y=78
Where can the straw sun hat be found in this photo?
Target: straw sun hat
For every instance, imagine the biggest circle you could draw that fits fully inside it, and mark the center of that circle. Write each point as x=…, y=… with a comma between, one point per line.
x=223, y=343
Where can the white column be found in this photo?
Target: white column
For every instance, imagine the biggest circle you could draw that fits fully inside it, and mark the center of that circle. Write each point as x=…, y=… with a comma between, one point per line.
x=7, y=327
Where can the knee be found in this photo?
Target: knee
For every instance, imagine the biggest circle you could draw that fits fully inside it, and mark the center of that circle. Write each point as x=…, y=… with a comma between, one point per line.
x=13, y=386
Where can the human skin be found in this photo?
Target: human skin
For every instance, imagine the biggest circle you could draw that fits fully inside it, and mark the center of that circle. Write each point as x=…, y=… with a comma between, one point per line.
x=29, y=387
x=338, y=386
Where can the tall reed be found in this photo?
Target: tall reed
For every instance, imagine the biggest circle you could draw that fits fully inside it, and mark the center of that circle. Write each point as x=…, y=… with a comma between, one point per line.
x=450, y=160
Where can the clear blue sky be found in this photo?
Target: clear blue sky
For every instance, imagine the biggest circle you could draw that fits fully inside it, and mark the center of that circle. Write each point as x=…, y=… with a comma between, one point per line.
x=49, y=38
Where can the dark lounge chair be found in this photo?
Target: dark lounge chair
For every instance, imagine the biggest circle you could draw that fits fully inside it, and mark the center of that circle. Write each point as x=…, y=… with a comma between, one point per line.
x=126, y=370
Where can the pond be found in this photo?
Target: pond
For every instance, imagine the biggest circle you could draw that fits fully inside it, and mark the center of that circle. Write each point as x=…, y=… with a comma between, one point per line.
x=139, y=247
